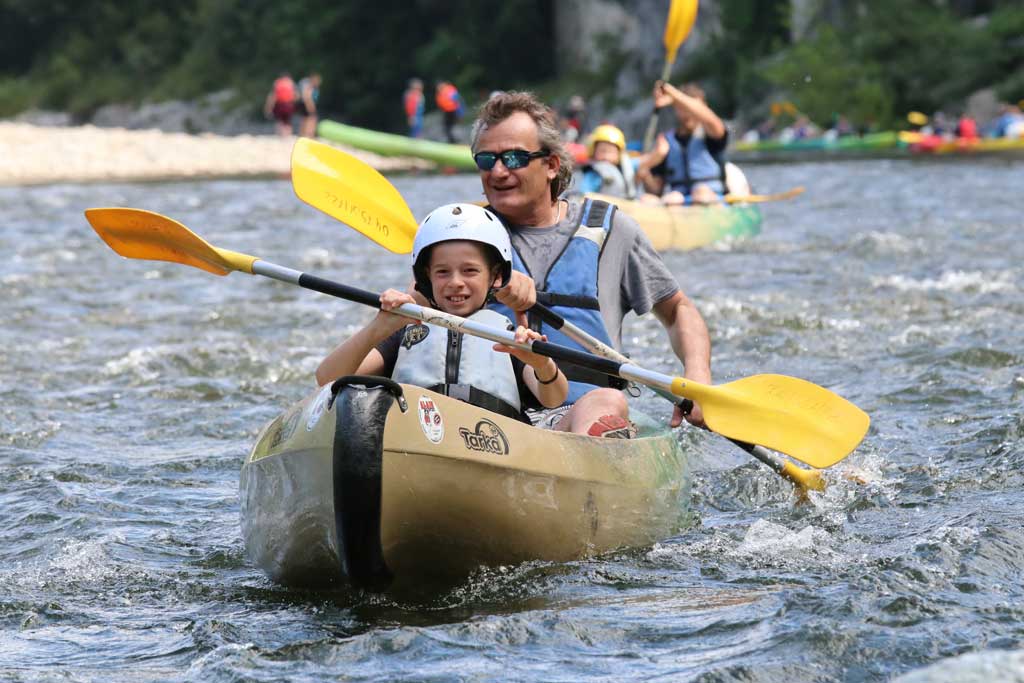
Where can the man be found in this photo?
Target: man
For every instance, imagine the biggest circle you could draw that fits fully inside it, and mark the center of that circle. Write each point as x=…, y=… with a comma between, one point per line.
x=581, y=254
x=306, y=104
x=687, y=164
x=450, y=103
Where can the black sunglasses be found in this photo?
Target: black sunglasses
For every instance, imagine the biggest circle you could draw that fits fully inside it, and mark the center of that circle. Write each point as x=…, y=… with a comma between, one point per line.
x=511, y=158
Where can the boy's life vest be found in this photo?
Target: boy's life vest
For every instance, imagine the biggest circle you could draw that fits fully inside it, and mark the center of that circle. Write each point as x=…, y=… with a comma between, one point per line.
x=461, y=366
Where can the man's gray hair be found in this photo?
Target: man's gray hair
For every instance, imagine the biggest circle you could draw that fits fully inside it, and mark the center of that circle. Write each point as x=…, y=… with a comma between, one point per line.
x=503, y=105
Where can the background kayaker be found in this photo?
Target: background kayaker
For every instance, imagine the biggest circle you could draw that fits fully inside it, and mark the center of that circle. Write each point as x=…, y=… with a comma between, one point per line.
x=687, y=164
x=280, y=103
x=594, y=263
x=305, y=105
x=460, y=252
x=450, y=103
x=412, y=100
x=610, y=169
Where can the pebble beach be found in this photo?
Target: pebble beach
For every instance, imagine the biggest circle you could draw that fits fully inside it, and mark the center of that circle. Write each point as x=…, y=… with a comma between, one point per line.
x=37, y=155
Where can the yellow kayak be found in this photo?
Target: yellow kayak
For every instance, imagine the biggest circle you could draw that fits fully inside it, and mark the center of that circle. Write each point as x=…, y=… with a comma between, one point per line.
x=689, y=227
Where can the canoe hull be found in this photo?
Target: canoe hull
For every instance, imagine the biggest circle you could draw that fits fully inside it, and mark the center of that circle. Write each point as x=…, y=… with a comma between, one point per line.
x=346, y=488
x=682, y=228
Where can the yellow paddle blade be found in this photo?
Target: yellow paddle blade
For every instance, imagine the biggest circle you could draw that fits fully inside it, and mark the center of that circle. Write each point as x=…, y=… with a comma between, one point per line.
x=351, y=191
x=787, y=414
x=761, y=198
x=681, y=16
x=140, y=234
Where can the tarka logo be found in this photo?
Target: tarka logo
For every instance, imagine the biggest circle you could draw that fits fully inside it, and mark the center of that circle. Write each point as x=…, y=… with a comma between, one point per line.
x=486, y=437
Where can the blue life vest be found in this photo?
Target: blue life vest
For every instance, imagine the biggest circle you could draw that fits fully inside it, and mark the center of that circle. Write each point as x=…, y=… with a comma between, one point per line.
x=461, y=366
x=569, y=288
x=687, y=166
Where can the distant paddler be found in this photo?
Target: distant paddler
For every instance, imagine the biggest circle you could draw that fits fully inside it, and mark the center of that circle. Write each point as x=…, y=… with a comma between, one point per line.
x=687, y=164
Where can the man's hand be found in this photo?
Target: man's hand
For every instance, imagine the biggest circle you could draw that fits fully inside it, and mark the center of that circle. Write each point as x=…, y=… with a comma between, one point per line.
x=520, y=294
x=694, y=417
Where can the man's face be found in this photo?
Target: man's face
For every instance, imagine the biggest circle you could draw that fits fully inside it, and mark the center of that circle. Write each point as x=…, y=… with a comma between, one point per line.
x=687, y=121
x=519, y=193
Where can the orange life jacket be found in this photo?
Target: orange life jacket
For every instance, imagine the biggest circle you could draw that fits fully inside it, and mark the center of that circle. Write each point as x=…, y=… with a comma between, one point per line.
x=447, y=98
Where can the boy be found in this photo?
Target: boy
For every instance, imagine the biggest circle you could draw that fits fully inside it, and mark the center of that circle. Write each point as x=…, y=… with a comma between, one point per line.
x=460, y=253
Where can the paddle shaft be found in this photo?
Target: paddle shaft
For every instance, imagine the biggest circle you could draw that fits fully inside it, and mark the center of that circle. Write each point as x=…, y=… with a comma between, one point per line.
x=806, y=478
x=608, y=366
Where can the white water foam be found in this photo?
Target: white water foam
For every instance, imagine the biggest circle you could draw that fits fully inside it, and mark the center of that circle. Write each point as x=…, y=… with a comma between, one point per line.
x=952, y=281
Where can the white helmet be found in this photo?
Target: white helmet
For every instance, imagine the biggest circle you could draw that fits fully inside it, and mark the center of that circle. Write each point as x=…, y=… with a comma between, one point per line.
x=459, y=222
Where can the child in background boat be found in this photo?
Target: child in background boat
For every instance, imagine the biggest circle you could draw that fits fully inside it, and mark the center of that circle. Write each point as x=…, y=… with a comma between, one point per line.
x=460, y=253
x=610, y=170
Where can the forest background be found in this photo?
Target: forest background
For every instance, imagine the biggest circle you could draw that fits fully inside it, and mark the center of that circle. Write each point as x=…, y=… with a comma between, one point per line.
x=869, y=60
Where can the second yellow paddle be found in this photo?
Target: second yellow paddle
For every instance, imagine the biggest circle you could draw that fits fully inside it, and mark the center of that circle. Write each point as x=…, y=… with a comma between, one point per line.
x=681, y=16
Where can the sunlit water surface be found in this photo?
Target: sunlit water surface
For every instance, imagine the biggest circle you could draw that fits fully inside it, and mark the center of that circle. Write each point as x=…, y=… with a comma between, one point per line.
x=130, y=392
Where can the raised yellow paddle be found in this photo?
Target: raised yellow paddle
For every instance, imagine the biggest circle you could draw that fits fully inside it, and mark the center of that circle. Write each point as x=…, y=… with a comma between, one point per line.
x=790, y=415
x=352, y=192
x=681, y=16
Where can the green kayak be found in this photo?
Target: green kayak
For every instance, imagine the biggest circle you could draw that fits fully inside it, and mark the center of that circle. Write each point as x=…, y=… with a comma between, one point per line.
x=853, y=146
x=388, y=144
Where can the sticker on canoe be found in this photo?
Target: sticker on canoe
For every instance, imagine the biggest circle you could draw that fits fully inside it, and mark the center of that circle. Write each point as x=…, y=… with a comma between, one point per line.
x=431, y=421
x=486, y=437
x=319, y=407
x=288, y=423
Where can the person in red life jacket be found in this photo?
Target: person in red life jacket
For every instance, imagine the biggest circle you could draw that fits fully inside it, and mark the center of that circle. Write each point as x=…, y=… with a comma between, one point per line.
x=280, y=103
x=687, y=164
x=413, y=102
x=591, y=263
x=306, y=104
x=967, y=128
x=450, y=104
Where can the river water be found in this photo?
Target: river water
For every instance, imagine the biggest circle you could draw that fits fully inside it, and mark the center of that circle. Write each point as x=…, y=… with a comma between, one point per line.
x=130, y=392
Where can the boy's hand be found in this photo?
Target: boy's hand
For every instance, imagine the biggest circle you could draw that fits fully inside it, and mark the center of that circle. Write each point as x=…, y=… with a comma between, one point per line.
x=525, y=335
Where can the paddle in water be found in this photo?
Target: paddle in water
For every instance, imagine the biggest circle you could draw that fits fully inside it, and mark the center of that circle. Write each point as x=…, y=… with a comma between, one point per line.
x=787, y=414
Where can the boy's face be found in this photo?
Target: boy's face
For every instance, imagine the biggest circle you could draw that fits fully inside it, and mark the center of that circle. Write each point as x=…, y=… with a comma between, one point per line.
x=460, y=276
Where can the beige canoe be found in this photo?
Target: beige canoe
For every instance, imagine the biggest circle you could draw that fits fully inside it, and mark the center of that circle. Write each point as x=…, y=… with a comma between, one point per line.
x=672, y=228
x=379, y=485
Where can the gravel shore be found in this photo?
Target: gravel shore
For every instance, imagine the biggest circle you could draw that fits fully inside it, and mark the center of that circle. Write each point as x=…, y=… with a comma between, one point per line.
x=35, y=155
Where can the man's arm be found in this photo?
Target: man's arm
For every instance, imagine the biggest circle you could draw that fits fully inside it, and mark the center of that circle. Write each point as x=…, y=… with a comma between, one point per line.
x=713, y=126
x=691, y=343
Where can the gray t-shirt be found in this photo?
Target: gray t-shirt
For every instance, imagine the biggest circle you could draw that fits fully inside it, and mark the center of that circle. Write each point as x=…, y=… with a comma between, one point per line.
x=632, y=276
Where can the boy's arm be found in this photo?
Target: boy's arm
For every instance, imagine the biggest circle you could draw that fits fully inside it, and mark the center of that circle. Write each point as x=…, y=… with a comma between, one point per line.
x=358, y=354
x=540, y=373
